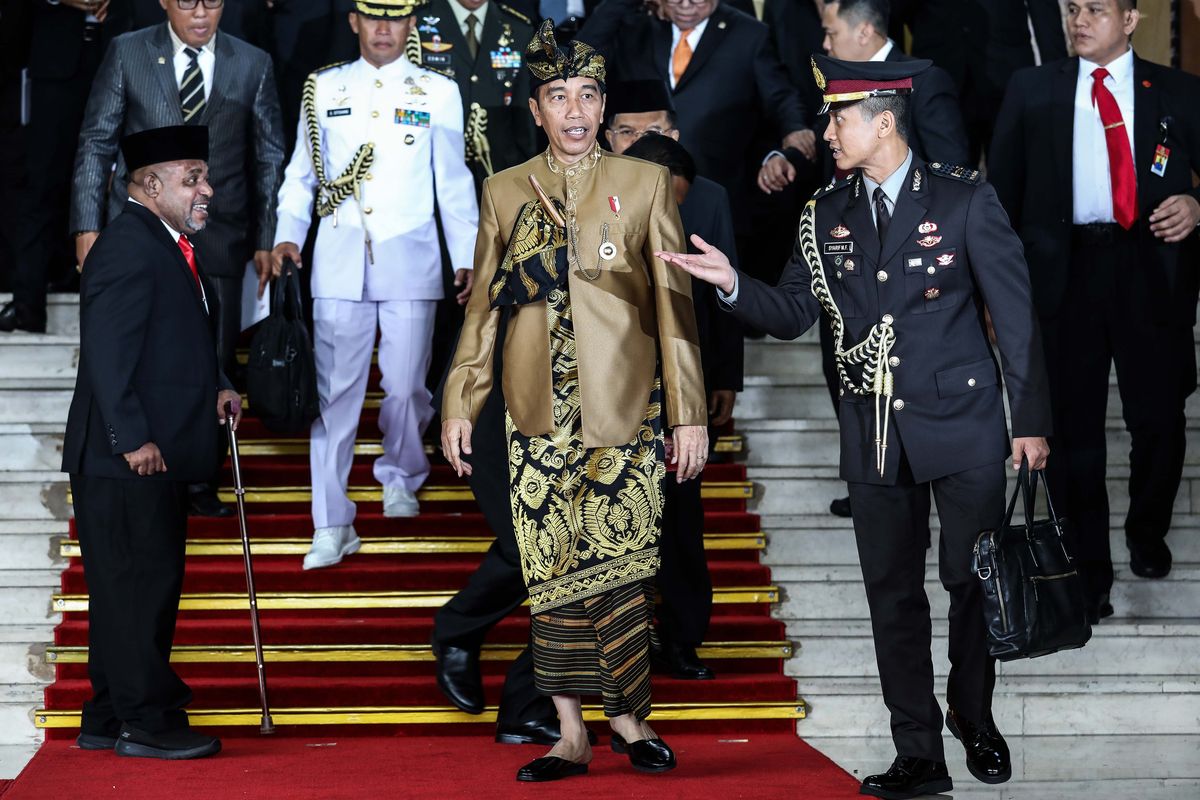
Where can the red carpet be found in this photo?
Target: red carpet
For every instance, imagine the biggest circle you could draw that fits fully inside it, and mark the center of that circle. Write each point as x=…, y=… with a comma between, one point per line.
x=727, y=766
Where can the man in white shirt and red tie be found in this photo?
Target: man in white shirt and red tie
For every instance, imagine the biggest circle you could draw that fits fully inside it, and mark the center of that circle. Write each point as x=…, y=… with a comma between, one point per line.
x=1092, y=158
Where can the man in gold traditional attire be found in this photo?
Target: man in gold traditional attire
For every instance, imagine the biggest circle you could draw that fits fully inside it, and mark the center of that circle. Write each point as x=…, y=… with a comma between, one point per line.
x=601, y=344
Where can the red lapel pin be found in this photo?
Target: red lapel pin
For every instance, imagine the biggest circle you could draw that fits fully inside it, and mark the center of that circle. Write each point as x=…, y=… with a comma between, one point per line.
x=1147, y=84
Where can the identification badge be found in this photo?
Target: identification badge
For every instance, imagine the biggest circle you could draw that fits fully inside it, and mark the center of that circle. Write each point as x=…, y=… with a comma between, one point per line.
x=506, y=58
x=840, y=232
x=338, y=112
x=834, y=248
x=1161, y=154
x=409, y=116
x=436, y=45
x=433, y=61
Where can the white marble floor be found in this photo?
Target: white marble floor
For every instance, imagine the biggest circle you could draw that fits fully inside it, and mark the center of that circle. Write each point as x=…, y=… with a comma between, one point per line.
x=1133, y=767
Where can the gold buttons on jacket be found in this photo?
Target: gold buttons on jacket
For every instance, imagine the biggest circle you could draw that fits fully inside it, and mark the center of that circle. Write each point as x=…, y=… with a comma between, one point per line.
x=882, y=276
x=370, y=177
x=374, y=115
x=367, y=210
x=474, y=79
x=378, y=84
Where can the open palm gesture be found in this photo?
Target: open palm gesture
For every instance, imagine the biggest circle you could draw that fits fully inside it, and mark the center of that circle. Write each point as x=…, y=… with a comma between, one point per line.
x=709, y=265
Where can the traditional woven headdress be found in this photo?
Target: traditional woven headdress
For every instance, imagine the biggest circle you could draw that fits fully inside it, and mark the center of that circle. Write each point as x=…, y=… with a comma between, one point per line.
x=548, y=62
x=387, y=9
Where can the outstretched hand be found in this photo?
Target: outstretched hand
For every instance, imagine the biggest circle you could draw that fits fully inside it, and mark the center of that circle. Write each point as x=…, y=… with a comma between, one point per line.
x=710, y=265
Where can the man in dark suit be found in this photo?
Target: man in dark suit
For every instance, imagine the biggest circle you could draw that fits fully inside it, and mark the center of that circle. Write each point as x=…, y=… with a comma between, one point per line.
x=901, y=256
x=981, y=43
x=143, y=423
x=724, y=79
x=1093, y=160
x=183, y=72
x=67, y=40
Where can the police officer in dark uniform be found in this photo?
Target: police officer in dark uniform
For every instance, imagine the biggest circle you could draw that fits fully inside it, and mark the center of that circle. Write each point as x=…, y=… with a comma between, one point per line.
x=902, y=256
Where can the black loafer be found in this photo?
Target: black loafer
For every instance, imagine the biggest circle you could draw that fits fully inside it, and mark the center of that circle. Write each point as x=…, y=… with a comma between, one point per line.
x=987, y=752
x=16, y=316
x=840, y=507
x=683, y=663
x=534, y=731
x=171, y=745
x=908, y=777
x=1149, y=559
x=550, y=768
x=206, y=504
x=458, y=676
x=95, y=741
x=646, y=755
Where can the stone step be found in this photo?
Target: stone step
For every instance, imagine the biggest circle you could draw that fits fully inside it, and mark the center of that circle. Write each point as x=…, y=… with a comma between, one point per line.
x=25, y=596
x=844, y=649
x=836, y=593
x=14, y=757
x=1054, y=706
x=43, y=356
x=22, y=654
x=38, y=405
x=17, y=703
x=62, y=316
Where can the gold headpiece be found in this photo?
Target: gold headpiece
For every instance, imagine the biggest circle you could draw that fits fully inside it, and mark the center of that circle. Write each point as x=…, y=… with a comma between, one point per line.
x=387, y=9
x=549, y=62
x=818, y=76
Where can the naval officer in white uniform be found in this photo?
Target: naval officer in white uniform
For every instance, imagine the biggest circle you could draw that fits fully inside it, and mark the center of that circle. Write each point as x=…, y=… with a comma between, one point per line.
x=376, y=136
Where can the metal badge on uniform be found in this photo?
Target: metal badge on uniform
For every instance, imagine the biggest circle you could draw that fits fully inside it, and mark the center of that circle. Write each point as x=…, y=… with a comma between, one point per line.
x=410, y=116
x=834, y=248
x=840, y=232
x=933, y=293
x=338, y=112
x=436, y=45
x=929, y=241
x=608, y=251
x=428, y=59
x=945, y=259
x=1161, y=154
x=927, y=227
x=409, y=138
x=849, y=265
x=162, y=60
x=508, y=98
x=506, y=58
x=614, y=203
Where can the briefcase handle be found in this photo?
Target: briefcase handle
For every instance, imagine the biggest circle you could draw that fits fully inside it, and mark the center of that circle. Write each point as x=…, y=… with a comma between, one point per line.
x=285, y=293
x=1026, y=489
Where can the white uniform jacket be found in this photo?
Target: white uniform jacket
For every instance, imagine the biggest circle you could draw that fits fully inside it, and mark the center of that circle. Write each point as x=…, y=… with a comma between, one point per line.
x=414, y=118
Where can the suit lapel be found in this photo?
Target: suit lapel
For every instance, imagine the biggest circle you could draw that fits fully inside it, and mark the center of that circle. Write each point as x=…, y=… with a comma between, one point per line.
x=911, y=207
x=662, y=51
x=857, y=217
x=710, y=40
x=162, y=60
x=161, y=235
x=1062, y=104
x=1146, y=115
x=490, y=34
x=224, y=70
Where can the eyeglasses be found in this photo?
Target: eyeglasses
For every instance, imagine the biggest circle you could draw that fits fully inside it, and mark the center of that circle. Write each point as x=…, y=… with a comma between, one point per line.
x=630, y=133
x=686, y=2
x=190, y=5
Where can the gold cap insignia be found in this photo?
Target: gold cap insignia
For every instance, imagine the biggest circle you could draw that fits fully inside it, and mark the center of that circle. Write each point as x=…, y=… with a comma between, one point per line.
x=818, y=76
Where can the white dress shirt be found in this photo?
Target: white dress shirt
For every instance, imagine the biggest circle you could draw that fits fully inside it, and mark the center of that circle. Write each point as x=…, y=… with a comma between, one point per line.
x=207, y=58
x=693, y=40
x=884, y=51
x=461, y=13
x=1091, y=183
x=175, y=238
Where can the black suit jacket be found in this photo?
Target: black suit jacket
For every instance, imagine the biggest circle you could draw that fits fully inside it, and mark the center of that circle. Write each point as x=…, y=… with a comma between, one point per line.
x=732, y=83
x=1031, y=165
x=948, y=412
x=56, y=40
x=147, y=363
x=796, y=34
x=705, y=212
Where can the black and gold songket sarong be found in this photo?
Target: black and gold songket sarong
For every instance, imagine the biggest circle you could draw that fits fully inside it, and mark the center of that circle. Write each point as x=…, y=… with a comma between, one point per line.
x=587, y=521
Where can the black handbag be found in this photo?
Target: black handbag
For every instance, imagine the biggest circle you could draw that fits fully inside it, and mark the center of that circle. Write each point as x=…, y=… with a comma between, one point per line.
x=1033, y=598
x=281, y=375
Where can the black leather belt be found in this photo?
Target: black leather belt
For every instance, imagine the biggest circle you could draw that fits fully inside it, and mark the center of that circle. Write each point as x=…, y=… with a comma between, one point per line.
x=1099, y=234
x=91, y=31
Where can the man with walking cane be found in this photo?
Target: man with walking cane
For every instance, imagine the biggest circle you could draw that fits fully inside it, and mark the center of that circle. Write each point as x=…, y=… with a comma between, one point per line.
x=142, y=426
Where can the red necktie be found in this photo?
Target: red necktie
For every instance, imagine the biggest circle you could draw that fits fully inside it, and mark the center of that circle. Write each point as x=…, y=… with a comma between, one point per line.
x=189, y=254
x=1120, y=159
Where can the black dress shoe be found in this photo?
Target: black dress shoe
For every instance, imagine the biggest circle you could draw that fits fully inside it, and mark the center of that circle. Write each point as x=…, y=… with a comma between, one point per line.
x=908, y=777
x=987, y=752
x=458, y=676
x=207, y=504
x=95, y=741
x=177, y=745
x=1098, y=609
x=550, y=768
x=684, y=664
x=1149, y=559
x=840, y=507
x=534, y=731
x=646, y=755
x=16, y=316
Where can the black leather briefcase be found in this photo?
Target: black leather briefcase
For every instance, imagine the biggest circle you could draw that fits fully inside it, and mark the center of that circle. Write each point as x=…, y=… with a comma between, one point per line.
x=1033, y=598
x=281, y=375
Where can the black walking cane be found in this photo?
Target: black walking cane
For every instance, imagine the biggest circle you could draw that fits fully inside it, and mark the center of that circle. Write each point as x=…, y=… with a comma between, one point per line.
x=266, y=726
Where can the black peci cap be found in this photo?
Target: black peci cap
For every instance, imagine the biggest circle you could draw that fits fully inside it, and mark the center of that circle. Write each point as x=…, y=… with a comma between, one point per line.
x=852, y=81
x=638, y=97
x=157, y=145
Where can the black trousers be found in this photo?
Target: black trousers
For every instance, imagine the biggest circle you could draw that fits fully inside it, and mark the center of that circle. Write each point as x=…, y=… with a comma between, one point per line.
x=43, y=245
x=891, y=529
x=1107, y=318
x=132, y=535
x=684, y=585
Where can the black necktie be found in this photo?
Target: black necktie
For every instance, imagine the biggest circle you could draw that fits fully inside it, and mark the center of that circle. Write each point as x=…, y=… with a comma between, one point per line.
x=191, y=88
x=883, y=217
x=472, y=39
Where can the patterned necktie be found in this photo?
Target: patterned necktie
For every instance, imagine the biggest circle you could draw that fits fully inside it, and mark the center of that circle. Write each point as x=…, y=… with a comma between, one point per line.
x=189, y=254
x=472, y=38
x=682, y=55
x=883, y=217
x=191, y=88
x=1120, y=159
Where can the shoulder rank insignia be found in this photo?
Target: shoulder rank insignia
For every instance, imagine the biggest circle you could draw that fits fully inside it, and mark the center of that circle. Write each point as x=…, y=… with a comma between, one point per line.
x=964, y=174
x=514, y=13
x=328, y=67
x=833, y=185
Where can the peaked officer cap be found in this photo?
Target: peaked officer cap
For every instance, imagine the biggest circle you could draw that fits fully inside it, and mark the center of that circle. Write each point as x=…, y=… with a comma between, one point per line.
x=387, y=9
x=172, y=143
x=549, y=62
x=844, y=82
x=638, y=97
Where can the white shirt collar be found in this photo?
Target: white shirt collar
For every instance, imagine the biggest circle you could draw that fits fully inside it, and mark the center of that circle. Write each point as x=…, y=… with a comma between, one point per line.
x=174, y=233
x=1119, y=69
x=884, y=51
x=461, y=13
x=696, y=32
x=178, y=44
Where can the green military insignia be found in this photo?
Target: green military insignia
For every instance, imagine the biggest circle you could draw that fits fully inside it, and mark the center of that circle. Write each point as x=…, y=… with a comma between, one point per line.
x=964, y=174
x=506, y=35
x=513, y=12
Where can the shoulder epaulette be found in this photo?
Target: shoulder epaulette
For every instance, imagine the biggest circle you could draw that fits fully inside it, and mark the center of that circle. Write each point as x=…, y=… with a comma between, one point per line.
x=964, y=174
x=328, y=67
x=514, y=13
x=833, y=185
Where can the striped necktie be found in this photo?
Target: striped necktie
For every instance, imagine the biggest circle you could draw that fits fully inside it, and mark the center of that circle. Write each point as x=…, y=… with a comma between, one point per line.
x=191, y=88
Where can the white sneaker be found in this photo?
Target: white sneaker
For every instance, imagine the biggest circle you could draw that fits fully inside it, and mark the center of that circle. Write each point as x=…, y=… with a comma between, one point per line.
x=399, y=502
x=330, y=545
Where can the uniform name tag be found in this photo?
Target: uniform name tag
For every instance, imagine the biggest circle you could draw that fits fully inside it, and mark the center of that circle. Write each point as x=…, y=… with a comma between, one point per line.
x=505, y=58
x=338, y=112
x=1161, y=154
x=436, y=59
x=409, y=116
x=834, y=248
